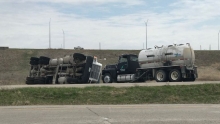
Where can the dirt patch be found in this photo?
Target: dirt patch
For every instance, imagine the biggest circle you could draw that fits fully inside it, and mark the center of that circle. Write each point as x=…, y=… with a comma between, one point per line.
x=209, y=73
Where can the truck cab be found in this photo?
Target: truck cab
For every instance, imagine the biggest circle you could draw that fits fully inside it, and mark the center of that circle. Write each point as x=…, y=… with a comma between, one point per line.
x=123, y=71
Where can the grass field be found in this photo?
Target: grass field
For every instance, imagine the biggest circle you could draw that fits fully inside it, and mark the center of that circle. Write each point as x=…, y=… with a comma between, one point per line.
x=14, y=63
x=189, y=94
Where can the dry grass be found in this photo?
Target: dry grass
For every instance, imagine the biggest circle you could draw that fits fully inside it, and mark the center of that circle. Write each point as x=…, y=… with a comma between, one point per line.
x=14, y=63
x=209, y=73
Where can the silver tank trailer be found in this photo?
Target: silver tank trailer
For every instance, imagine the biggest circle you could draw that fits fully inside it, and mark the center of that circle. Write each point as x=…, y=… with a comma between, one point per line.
x=65, y=60
x=172, y=55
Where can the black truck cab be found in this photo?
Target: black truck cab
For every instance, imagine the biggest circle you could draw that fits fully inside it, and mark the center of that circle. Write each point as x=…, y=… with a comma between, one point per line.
x=127, y=64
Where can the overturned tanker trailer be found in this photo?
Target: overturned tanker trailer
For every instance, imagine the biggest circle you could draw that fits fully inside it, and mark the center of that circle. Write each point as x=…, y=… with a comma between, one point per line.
x=71, y=69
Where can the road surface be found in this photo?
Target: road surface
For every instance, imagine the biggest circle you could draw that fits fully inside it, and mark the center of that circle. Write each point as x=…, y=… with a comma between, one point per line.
x=152, y=83
x=112, y=114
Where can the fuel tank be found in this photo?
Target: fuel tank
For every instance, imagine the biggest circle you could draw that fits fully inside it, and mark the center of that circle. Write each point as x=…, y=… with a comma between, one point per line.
x=171, y=55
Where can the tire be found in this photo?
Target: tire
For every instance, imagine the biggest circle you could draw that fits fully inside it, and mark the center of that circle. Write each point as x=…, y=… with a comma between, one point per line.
x=29, y=80
x=40, y=80
x=33, y=62
x=175, y=75
x=107, y=78
x=161, y=76
x=44, y=60
x=34, y=58
x=41, y=62
x=49, y=80
x=79, y=56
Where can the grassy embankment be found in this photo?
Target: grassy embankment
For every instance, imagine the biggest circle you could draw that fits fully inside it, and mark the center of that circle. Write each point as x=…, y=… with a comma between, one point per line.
x=191, y=94
x=14, y=63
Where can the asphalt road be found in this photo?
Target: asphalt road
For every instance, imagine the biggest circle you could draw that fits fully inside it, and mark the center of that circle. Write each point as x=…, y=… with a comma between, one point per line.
x=112, y=114
x=148, y=83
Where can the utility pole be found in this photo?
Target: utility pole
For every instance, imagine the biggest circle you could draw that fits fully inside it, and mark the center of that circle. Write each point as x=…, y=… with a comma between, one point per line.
x=218, y=39
x=63, y=40
x=99, y=46
x=49, y=36
x=146, y=32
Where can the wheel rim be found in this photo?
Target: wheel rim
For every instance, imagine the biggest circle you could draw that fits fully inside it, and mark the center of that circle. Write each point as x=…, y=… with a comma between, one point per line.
x=160, y=76
x=107, y=79
x=174, y=75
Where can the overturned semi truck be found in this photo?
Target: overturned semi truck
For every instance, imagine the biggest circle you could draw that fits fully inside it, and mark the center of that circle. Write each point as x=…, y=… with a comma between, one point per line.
x=166, y=63
x=71, y=69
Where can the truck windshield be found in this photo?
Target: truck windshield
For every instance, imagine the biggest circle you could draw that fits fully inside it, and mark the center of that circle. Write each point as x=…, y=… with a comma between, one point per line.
x=123, y=60
x=134, y=58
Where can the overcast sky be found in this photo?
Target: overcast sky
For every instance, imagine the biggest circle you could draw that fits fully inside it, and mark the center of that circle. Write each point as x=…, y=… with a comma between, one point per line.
x=116, y=24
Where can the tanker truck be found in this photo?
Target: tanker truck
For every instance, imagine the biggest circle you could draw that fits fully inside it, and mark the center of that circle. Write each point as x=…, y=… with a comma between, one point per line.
x=71, y=69
x=171, y=63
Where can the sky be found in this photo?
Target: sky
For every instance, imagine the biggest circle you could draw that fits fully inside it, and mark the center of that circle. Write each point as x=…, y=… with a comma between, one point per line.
x=115, y=24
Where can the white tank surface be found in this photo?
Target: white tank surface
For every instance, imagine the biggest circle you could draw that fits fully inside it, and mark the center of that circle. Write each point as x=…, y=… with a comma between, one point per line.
x=62, y=80
x=60, y=61
x=66, y=59
x=171, y=55
x=53, y=62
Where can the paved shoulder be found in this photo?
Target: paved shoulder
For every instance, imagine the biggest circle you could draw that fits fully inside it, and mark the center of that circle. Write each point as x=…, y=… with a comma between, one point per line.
x=111, y=84
x=111, y=114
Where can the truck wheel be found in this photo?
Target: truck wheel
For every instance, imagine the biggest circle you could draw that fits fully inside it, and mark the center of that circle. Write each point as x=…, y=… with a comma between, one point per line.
x=161, y=76
x=44, y=60
x=34, y=58
x=78, y=57
x=29, y=80
x=175, y=75
x=49, y=80
x=107, y=78
x=39, y=80
x=32, y=62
